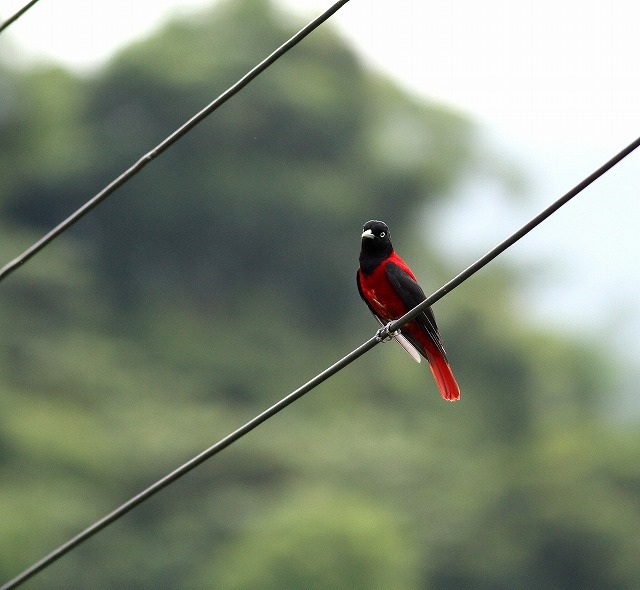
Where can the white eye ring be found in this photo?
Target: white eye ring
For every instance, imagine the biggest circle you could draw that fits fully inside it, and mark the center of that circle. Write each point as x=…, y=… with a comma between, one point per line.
x=382, y=234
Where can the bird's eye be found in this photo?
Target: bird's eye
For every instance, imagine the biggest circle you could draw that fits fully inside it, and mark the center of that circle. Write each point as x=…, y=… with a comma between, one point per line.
x=382, y=234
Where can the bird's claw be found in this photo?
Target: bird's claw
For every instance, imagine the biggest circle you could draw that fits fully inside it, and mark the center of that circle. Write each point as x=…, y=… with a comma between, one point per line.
x=384, y=334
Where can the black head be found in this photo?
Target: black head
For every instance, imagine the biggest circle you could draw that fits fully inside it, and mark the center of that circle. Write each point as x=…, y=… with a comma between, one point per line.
x=375, y=235
x=376, y=245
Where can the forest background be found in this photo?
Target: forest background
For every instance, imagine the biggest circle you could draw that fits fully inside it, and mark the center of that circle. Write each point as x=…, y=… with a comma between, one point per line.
x=223, y=277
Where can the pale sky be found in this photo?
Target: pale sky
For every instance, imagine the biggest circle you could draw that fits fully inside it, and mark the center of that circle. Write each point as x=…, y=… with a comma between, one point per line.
x=554, y=83
x=551, y=69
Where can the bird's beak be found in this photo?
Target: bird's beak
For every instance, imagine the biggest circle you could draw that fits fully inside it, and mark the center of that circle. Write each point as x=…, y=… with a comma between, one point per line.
x=367, y=234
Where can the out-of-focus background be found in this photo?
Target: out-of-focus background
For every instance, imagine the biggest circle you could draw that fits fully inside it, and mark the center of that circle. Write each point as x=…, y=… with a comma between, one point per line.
x=223, y=276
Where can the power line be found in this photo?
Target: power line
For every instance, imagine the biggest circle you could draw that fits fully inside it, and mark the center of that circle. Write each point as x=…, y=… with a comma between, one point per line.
x=17, y=15
x=380, y=336
x=189, y=465
x=169, y=141
x=524, y=230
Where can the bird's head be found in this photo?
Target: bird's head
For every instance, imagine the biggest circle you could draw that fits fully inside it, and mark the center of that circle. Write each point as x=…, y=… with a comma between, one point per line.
x=375, y=233
x=376, y=240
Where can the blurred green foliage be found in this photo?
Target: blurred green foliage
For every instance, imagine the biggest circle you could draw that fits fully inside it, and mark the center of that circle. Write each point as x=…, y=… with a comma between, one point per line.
x=220, y=279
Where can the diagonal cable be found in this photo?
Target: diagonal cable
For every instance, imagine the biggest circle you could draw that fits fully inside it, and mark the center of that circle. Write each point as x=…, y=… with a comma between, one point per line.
x=510, y=241
x=380, y=336
x=169, y=141
x=17, y=15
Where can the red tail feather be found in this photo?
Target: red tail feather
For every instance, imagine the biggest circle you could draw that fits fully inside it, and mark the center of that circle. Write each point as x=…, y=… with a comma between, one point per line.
x=443, y=376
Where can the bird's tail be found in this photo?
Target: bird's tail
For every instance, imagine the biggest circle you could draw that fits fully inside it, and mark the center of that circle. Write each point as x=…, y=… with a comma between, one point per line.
x=443, y=376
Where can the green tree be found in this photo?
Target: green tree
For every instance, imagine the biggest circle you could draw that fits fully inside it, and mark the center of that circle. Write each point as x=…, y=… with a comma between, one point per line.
x=221, y=278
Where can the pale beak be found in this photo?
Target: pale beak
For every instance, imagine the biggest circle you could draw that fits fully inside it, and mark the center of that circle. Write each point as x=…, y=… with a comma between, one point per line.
x=368, y=234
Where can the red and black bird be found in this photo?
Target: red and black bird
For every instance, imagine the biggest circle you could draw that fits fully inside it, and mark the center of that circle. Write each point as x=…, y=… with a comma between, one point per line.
x=390, y=290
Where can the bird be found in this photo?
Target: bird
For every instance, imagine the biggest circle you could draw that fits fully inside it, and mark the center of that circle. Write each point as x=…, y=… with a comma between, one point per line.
x=390, y=289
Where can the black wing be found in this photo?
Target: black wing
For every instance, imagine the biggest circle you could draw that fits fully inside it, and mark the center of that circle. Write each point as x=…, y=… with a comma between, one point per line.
x=412, y=294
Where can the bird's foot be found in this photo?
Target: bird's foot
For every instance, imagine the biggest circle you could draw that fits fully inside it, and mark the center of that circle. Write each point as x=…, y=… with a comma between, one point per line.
x=384, y=334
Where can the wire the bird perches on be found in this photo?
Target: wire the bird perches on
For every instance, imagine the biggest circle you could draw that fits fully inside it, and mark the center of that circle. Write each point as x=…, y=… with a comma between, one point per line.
x=317, y=380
